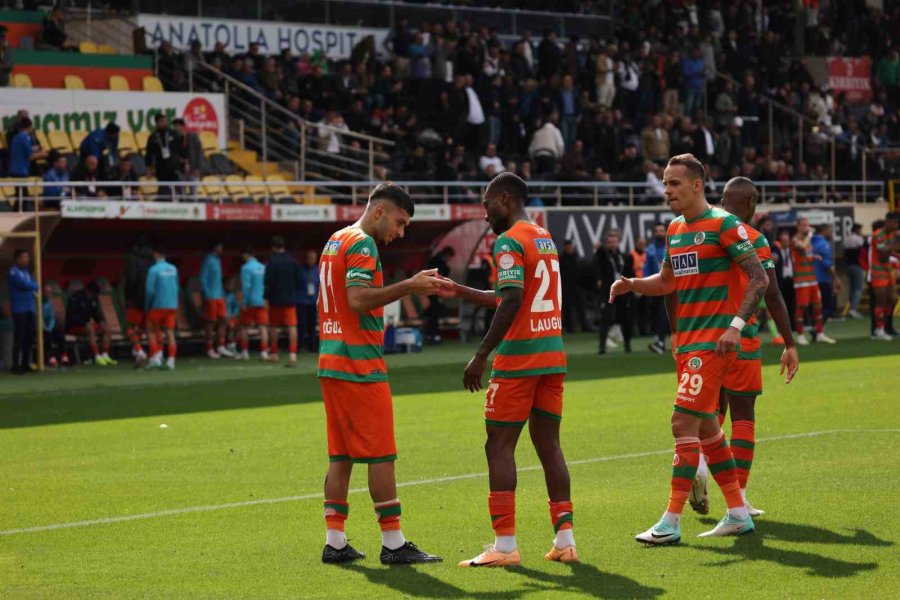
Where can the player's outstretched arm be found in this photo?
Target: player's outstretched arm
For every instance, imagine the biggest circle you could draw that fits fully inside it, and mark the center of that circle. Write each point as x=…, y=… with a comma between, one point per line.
x=660, y=284
x=757, y=282
x=510, y=302
x=790, y=360
x=485, y=298
x=364, y=299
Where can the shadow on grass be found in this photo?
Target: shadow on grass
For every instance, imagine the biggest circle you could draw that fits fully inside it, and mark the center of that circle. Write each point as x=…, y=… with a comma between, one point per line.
x=589, y=580
x=583, y=579
x=753, y=548
x=121, y=399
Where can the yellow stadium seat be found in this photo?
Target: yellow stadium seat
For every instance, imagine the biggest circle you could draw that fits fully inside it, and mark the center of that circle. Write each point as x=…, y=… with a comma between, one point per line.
x=278, y=189
x=257, y=189
x=141, y=138
x=73, y=82
x=213, y=192
x=237, y=190
x=87, y=47
x=149, y=188
x=42, y=139
x=127, y=143
x=77, y=136
x=117, y=83
x=59, y=141
x=35, y=188
x=22, y=80
x=210, y=142
x=106, y=49
x=151, y=84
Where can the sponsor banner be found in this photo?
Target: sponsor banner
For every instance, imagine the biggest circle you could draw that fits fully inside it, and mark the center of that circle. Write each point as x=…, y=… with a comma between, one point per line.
x=238, y=212
x=851, y=76
x=87, y=110
x=271, y=36
x=350, y=213
x=467, y=212
x=112, y=209
x=586, y=226
x=432, y=212
x=304, y=212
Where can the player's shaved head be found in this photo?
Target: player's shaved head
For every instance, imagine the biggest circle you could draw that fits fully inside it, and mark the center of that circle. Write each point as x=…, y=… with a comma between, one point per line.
x=739, y=198
x=508, y=183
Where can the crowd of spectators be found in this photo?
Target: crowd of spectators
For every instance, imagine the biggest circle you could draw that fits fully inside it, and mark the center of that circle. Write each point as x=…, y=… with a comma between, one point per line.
x=463, y=102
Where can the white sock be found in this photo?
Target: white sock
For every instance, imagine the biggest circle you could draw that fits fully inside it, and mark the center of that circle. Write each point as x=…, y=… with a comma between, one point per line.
x=171, y=362
x=392, y=539
x=739, y=513
x=702, y=469
x=672, y=518
x=564, y=538
x=264, y=354
x=157, y=357
x=293, y=356
x=505, y=543
x=336, y=539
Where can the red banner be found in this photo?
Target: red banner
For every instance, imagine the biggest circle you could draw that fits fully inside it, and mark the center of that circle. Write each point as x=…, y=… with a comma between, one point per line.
x=350, y=212
x=852, y=77
x=238, y=212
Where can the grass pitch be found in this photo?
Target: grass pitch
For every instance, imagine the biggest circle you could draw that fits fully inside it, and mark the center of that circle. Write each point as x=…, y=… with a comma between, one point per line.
x=98, y=500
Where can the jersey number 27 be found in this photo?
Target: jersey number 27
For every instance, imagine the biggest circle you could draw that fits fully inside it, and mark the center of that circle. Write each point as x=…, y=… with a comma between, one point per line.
x=541, y=302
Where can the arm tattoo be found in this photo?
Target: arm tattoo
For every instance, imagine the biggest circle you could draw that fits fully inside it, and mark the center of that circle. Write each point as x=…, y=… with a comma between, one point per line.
x=757, y=283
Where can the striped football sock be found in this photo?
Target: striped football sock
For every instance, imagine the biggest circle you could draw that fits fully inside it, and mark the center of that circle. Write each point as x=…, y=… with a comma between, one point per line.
x=684, y=469
x=723, y=469
x=743, y=440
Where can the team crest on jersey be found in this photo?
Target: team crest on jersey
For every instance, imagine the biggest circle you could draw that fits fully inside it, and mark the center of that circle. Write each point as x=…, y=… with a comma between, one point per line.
x=365, y=251
x=331, y=247
x=695, y=363
x=685, y=264
x=742, y=232
x=506, y=261
x=545, y=246
x=504, y=248
x=698, y=239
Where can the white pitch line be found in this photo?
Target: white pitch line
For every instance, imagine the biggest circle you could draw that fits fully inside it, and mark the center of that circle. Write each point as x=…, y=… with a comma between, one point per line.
x=318, y=495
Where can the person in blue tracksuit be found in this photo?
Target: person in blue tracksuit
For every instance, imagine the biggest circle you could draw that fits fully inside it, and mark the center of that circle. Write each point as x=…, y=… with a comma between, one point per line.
x=307, y=297
x=161, y=297
x=23, y=306
x=254, y=311
x=215, y=310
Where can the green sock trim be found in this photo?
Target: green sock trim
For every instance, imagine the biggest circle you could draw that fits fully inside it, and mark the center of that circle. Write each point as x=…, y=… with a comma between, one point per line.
x=743, y=444
x=684, y=472
x=567, y=518
x=719, y=467
x=388, y=511
x=340, y=508
x=743, y=464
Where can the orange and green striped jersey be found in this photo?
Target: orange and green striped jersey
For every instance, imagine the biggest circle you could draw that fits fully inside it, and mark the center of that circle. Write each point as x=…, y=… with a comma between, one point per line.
x=804, y=271
x=350, y=343
x=880, y=270
x=750, y=344
x=703, y=254
x=526, y=258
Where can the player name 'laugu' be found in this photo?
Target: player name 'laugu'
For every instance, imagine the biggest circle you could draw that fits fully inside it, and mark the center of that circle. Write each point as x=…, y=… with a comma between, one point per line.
x=548, y=324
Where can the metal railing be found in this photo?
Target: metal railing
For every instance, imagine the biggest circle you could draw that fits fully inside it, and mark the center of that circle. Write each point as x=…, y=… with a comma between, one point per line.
x=19, y=194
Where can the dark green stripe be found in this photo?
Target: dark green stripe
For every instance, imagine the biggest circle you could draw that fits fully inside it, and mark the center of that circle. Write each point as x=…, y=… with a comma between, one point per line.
x=504, y=423
x=566, y=518
x=725, y=465
x=355, y=378
x=365, y=243
x=341, y=508
x=755, y=355
x=532, y=346
x=750, y=394
x=377, y=459
x=76, y=59
x=743, y=444
x=695, y=347
x=528, y=372
x=685, y=324
x=388, y=511
x=705, y=294
x=684, y=472
x=688, y=411
x=370, y=323
x=743, y=464
x=714, y=265
x=510, y=283
x=514, y=245
x=338, y=458
x=544, y=413
x=351, y=351
x=22, y=16
x=358, y=283
x=750, y=331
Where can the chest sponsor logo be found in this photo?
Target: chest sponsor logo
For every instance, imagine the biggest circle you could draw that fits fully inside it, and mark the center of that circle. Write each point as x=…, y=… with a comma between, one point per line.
x=331, y=247
x=685, y=264
x=545, y=246
x=699, y=237
x=506, y=261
